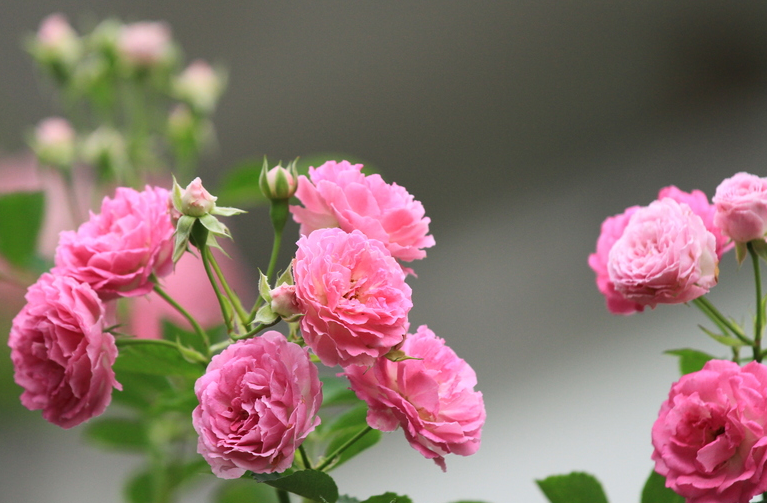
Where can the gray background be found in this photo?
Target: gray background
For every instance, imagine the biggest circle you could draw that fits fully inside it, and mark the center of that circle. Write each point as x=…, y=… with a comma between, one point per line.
x=520, y=126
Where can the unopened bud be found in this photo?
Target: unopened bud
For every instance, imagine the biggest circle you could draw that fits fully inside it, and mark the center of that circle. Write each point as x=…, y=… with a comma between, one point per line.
x=200, y=86
x=284, y=302
x=196, y=201
x=279, y=182
x=54, y=142
x=56, y=45
x=145, y=44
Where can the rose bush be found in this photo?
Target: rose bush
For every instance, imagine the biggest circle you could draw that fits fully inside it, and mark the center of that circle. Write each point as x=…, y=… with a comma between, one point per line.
x=61, y=355
x=710, y=439
x=431, y=397
x=664, y=256
x=340, y=195
x=116, y=251
x=353, y=295
x=258, y=401
x=741, y=207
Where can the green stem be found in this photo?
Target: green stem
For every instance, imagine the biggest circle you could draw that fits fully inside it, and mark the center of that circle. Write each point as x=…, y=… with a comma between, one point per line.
x=332, y=457
x=282, y=495
x=134, y=341
x=304, y=457
x=278, y=212
x=235, y=300
x=196, y=326
x=211, y=277
x=721, y=321
x=254, y=330
x=759, y=309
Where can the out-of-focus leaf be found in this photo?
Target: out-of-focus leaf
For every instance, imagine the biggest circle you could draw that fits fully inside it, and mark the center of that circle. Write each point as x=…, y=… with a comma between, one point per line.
x=139, y=488
x=388, y=498
x=21, y=214
x=117, y=433
x=156, y=359
x=311, y=484
x=690, y=360
x=239, y=186
x=344, y=428
x=335, y=391
x=175, y=333
x=655, y=491
x=243, y=490
x=575, y=487
x=139, y=390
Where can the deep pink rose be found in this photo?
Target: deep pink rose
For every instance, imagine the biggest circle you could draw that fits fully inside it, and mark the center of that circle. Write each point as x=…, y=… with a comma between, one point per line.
x=665, y=256
x=61, y=355
x=340, y=195
x=258, y=401
x=741, y=207
x=117, y=250
x=353, y=294
x=698, y=203
x=432, y=398
x=710, y=439
x=612, y=230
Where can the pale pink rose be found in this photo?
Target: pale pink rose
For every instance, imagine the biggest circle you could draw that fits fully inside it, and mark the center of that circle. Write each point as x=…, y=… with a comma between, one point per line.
x=145, y=43
x=612, y=230
x=340, y=195
x=54, y=141
x=61, y=355
x=117, y=250
x=56, y=43
x=199, y=85
x=432, y=398
x=258, y=401
x=353, y=294
x=710, y=438
x=741, y=207
x=54, y=31
x=665, y=256
x=698, y=203
x=196, y=201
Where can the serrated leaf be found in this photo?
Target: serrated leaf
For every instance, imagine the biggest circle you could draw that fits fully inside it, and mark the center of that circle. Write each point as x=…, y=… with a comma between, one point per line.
x=242, y=490
x=117, y=433
x=655, y=491
x=155, y=359
x=576, y=487
x=388, y=498
x=312, y=484
x=690, y=360
x=239, y=186
x=21, y=214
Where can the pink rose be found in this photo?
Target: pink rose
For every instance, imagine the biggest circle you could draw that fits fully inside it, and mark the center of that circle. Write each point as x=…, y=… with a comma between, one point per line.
x=710, y=439
x=117, y=250
x=56, y=41
x=61, y=355
x=741, y=207
x=698, y=203
x=353, y=294
x=432, y=398
x=258, y=402
x=612, y=230
x=145, y=43
x=54, y=141
x=339, y=195
x=665, y=256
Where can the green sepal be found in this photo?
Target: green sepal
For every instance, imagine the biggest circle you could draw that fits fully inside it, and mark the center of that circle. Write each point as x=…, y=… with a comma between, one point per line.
x=576, y=487
x=741, y=251
x=760, y=248
x=182, y=234
x=176, y=195
x=286, y=277
x=264, y=290
x=213, y=225
x=311, y=484
x=226, y=211
x=265, y=315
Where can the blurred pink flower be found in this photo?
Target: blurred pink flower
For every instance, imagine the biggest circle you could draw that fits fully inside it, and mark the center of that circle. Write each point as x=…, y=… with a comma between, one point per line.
x=664, y=256
x=258, y=401
x=145, y=44
x=61, y=355
x=340, y=195
x=199, y=85
x=432, y=398
x=116, y=251
x=710, y=437
x=54, y=141
x=353, y=295
x=741, y=207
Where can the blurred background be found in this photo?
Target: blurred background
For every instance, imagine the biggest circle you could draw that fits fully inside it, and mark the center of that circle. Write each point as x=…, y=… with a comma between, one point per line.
x=520, y=125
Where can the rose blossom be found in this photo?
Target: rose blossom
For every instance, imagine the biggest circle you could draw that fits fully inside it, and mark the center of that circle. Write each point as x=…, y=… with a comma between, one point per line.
x=54, y=141
x=258, y=401
x=340, y=195
x=432, y=398
x=698, y=203
x=709, y=438
x=118, y=249
x=741, y=207
x=612, y=230
x=145, y=43
x=61, y=355
x=353, y=294
x=665, y=256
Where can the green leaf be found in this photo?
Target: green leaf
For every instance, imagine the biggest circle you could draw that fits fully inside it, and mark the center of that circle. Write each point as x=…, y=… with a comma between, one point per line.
x=388, y=498
x=242, y=490
x=335, y=391
x=139, y=390
x=156, y=359
x=344, y=428
x=174, y=333
x=139, y=488
x=239, y=186
x=21, y=214
x=575, y=487
x=311, y=484
x=655, y=491
x=690, y=360
x=117, y=433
